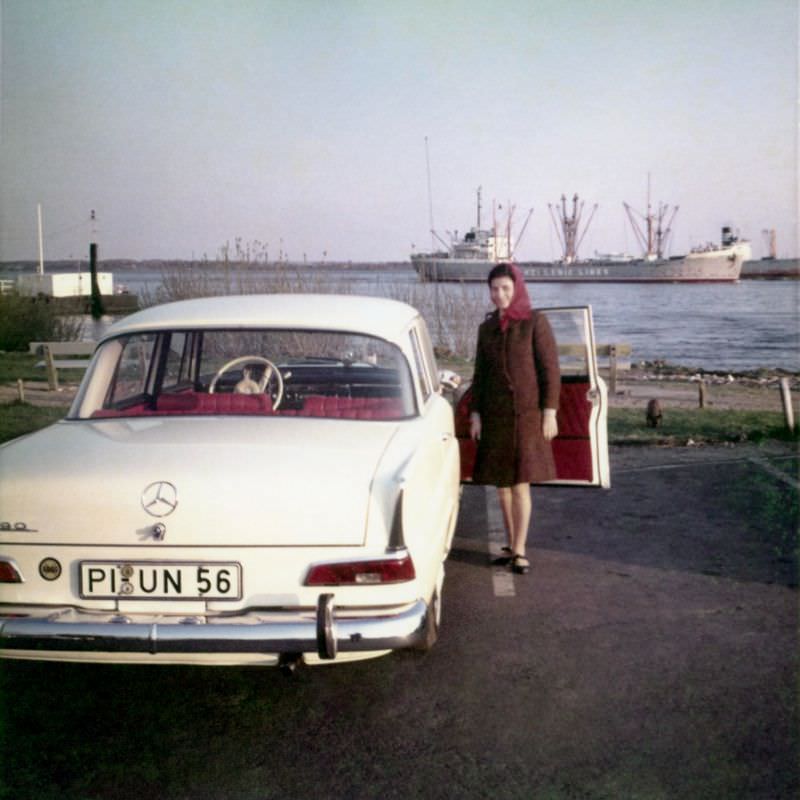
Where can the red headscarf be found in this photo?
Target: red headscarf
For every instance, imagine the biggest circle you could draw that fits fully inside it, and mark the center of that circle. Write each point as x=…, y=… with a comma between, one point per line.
x=520, y=306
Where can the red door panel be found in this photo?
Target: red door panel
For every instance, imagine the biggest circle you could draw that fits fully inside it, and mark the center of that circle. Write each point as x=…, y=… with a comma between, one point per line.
x=466, y=446
x=571, y=449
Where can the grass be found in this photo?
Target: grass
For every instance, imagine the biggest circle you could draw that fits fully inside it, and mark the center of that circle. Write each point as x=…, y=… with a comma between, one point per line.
x=18, y=418
x=701, y=426
x=20, y=365
x=23, y=365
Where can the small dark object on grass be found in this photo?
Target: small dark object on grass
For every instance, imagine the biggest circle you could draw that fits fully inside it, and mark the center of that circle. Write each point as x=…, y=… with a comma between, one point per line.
x=654, y=413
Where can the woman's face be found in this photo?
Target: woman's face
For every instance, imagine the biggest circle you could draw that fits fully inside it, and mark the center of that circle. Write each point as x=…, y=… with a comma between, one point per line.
x=501, y=291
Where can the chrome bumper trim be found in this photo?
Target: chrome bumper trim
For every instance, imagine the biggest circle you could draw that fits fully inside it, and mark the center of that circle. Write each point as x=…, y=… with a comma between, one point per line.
x=326, y=634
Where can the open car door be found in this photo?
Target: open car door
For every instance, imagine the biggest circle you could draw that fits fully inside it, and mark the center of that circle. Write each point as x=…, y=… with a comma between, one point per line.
x=581, y=447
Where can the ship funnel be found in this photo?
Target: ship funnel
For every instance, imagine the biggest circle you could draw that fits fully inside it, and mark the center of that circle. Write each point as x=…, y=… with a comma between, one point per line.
x=728, y=237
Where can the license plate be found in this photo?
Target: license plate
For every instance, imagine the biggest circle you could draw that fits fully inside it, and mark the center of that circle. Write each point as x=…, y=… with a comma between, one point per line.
x=146, y=580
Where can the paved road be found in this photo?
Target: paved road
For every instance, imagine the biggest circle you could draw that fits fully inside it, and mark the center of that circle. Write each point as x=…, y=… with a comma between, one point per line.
x=651, y=653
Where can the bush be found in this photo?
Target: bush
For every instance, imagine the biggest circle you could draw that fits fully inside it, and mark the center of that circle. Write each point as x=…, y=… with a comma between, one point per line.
x=32, y=319
x=451, y=311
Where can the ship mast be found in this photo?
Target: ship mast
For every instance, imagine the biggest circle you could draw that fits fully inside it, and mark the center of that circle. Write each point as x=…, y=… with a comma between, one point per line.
x=430, y=195
x=771, y=240
x=521, y=234
x=653, y=240
x=568, y=226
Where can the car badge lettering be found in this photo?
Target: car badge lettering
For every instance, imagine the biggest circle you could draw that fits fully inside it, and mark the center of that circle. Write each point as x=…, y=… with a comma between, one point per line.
x=16, y=526
x=160, y=499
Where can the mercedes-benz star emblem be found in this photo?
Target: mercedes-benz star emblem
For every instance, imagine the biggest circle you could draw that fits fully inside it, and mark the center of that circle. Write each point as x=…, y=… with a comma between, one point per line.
x=160, y=499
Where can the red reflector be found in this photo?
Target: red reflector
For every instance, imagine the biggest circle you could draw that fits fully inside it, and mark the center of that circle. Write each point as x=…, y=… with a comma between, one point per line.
x=8, y=573
x=392, y=570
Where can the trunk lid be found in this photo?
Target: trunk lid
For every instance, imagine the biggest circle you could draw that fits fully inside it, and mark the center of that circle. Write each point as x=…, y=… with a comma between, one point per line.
x=211, y=481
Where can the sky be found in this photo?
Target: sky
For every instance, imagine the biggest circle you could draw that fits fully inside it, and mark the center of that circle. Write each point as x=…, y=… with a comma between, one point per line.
x=314, y=128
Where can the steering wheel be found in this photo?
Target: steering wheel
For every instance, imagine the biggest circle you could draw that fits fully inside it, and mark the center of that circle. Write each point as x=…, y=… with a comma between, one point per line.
x=270, y=370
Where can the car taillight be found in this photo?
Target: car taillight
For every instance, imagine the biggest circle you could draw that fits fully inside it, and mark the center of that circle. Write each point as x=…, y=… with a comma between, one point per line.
x=384, y=570
x=9, y=572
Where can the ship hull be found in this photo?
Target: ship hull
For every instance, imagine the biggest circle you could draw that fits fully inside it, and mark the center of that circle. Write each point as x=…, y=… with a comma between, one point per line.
x=771, y=268
x=722, y=265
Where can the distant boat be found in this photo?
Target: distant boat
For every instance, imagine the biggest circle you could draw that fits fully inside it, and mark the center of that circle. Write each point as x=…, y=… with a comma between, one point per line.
x=472, y=258
x=770, y=266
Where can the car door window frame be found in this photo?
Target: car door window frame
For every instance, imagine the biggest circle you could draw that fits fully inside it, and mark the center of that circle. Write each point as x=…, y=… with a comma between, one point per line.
x=423, y=376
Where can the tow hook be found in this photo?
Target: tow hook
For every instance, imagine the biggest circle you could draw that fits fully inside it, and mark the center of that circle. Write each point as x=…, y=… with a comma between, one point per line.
x=326, y=633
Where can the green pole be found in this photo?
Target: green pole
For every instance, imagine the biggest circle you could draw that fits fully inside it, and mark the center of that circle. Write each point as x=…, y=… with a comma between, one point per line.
x=97, y=300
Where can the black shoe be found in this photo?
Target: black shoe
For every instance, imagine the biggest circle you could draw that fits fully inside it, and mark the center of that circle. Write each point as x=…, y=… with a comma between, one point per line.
x=505, y=559
x=520, y=565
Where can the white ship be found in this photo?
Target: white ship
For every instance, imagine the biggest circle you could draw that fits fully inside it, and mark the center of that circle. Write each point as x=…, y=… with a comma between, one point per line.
x=472, y=258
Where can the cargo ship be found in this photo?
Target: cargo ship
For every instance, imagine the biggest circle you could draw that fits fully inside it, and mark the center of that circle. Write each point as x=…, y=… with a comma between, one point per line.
x=472, y=257
x=770, y=267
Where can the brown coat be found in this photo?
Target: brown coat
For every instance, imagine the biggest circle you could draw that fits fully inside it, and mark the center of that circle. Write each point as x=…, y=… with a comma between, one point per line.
x=516, y=377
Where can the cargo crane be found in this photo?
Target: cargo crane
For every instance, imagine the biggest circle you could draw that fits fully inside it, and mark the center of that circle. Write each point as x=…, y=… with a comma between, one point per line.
x=568, y=226
x=654, y=238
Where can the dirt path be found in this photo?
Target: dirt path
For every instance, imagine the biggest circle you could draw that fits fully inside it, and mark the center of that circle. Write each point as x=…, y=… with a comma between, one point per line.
x=38, y=393
x=681, y=389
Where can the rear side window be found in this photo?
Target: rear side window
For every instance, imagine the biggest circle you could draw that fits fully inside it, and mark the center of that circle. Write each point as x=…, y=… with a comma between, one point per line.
x=176, y=367
x=133, y=369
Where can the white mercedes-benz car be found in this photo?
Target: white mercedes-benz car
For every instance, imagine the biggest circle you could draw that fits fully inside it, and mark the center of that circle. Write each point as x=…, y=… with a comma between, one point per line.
x=240, y=480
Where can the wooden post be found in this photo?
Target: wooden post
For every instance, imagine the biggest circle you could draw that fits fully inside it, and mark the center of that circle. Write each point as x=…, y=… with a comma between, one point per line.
x=702, y=394
x=21, y=390
x=612, y=369
x=786, y=400
x=52, y=373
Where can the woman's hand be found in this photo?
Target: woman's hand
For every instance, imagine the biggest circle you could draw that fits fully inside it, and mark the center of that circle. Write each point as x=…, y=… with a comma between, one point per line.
x=474, y=426
x=549, y=424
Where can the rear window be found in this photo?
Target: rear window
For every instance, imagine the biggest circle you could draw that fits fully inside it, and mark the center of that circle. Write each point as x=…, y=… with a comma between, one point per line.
x=248, y=372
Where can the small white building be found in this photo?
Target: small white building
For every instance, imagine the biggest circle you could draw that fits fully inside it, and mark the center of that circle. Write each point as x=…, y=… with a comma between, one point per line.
x=67, y=284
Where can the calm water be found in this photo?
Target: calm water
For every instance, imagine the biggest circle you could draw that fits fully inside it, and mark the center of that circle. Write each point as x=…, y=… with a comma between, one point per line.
x=733, y=327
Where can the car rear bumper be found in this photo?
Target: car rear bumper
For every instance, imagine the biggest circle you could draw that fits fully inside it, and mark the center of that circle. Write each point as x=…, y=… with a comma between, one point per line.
x=326, y=632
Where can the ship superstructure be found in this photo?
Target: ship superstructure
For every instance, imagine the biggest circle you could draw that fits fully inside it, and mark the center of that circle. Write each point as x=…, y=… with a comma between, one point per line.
x=479, y=248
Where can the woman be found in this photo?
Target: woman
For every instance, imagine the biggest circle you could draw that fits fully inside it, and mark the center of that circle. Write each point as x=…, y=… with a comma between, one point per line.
x=514, y=401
